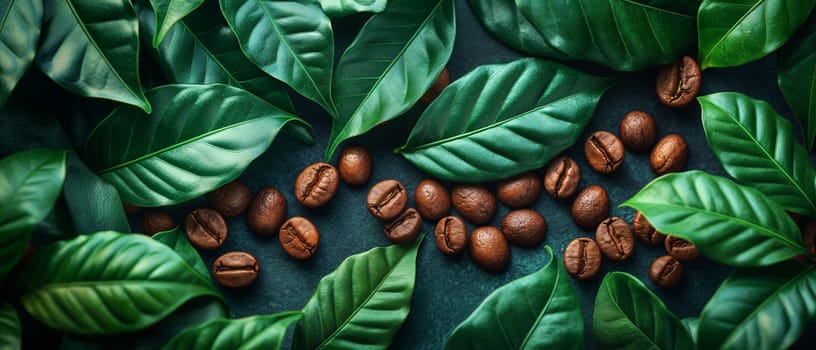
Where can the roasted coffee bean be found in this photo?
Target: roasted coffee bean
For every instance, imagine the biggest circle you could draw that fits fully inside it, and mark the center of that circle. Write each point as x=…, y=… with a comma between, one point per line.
x=354, y=165
x=666, y=271
x=404, y=228
x=130, y=210
x=604, y=152
x=638, y=131
x=231, y=199
x=299, y=237
x=154, y=222
x=451, y=235
x=679, y=82
x=205, y=228
x=562, y=177
x=645, y=232
x=267, y=212
x=524, y=227
x=681, y=249
x=590, y=207
x=582, y=258
x=614, y=238
x=669, y=155
x=436, y=88
x=432, y=200
x=387, y=199
x=519, y=191
x=489, y=249
x=236, y=269
x=316, y=185
x=474, y=202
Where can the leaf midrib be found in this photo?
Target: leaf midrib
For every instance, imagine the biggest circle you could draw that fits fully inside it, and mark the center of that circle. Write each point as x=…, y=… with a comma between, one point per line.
x=557, y=278
x=730, y=30
x=192, y=287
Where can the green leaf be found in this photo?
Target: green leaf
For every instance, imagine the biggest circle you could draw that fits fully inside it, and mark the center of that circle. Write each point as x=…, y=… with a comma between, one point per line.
x=177, y=240
x=734, y=32
x=19, y=33
x=692, y=324
x=10, y=333
x=628, y=315
x=503, y=119
x=168, y=12
x=340, y=8
x=537, y=311
x=30, y=183
x=91, y=48
x=686, y=7
x=167, y=157
x=505, y=21
x=397, y=56
x=107, y=283
x=288, y=39
x=256, y=332
x=93, y=204
x=362, y=303
x=797, y=78
x=760, y=308
x=757, y=147
x=732, y=224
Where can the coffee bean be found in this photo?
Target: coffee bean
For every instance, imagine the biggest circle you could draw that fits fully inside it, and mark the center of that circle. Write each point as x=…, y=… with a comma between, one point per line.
x=299, y=237
x=404, y=228
x=154, y=222
x=615, y=239
x=582, y=258
x=205, y=228
x=387, y=199
x=474, y=202
x=562, y=177
x=519, y=191
x=489, y=249
x=451, y=235
x=354, y=165
x=681, y=249
x=590, y=207
x=130, y=210
x=267, y=212
x=645, y=232
x=666, y=271
x=432, y=200
x=638, y=131
x=236, y=269
x=669, y=155
x=604, y=152
x=524, y=227
x=437, y=87
x=231, y=199
x=316, y=185
x=679, y=82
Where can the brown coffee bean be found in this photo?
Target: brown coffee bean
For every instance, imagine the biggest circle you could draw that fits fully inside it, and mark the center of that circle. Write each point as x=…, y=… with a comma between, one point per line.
x=231, y=199
x=451, y=235
x=432, y=200
x=236, y=269
x=679, y=82
x=666, y=271
x=267, y=212
x=519, y=191
x=681, y=249
x=582, y=258
x=562, y=177
x=404, y=228
x=604, y=152
x=524, y=227
x=474, y=202
x=205, y=228
x=669, y=155
x=489, y=249
x=387, y=199
x=130, y=210
x=299, y=237
x=316, y=185
x=615, y=239
x=645, y=232
x=590, y=207
x=638, y=131
x=437, y=87
x=154, y=222
x=354, y=165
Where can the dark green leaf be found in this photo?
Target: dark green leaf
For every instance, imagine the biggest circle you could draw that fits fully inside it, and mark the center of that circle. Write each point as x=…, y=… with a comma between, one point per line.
x=9, y=328
x=502, y=119
x=797, y=78
x=170, y=156
x=397, y=56
x=691, y=324
x=256, y=332
x=735, y=225
x=177, y=240
x=505, y=21
x=107, y=283
x=340, y=8
x=94, y=205
x=686, y=7
x=19, y=32
x=538, y=311
x=628, y=315
x=760, y=308
x=168, y=12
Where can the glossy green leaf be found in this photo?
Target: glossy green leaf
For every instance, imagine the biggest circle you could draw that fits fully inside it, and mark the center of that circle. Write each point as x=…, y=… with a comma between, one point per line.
x=505, y=21
x=362, y=303
x=290, y=40
x=107, y=283
x=537, y=311
x=340, y=8
x=757, y=146
x=692, y=324
x=760, y=308
x=30, y=183
x=255, y=332
x=734, y=32
x=19, y=33
x=178, y=241
x=10, y=333
x=686, y=7
x=797, y=78
x=397, y=56
x=732, y=224
x=93, y=204
x=91, y=48
x=198, y=138
x=168, y=12
x=628, y=315
x=503, y=119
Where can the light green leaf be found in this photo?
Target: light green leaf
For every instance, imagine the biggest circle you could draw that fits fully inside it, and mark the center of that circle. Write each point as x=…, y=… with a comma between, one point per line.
x=256, y=332
x=10, y=333
x=340, y=8
x=168, y=12
x=19, y=33
x=797, y=78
